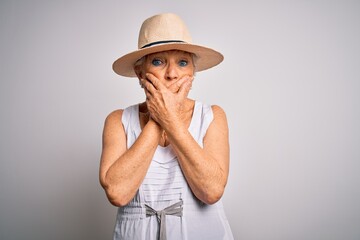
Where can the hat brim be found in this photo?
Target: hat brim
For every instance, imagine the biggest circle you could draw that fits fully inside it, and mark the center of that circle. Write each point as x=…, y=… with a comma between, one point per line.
x=205, y=57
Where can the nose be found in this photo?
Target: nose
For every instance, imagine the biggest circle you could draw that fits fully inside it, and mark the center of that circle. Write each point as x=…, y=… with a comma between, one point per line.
x=171, y=72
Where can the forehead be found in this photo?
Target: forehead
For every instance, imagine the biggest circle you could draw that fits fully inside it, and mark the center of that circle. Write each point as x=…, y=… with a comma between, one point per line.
x=171, y=53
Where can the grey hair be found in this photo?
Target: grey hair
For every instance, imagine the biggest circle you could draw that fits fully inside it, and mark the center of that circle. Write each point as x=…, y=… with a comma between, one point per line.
x=139, y=62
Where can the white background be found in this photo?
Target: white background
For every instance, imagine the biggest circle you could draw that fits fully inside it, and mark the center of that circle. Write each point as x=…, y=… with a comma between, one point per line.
x=290, y=85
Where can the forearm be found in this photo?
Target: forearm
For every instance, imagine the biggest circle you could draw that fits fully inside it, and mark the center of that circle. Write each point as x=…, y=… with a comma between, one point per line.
x=126, y=174
x=205, y=176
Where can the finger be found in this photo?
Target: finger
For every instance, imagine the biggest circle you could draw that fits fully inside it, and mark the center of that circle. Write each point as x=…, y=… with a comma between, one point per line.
x=174, y=87
x=185, y=88
x=155, y=81
x=147, y=94
x=147, y=85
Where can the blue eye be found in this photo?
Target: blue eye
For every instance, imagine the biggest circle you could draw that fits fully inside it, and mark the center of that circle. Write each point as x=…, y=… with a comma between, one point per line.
x=156, y=62
x=183, y=63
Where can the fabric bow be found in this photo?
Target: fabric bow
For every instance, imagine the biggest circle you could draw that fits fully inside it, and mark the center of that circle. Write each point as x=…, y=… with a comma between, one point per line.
x=175, y=209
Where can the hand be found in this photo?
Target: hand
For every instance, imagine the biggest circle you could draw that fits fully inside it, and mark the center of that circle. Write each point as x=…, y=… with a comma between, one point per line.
x=175, y=87
x=165, y=104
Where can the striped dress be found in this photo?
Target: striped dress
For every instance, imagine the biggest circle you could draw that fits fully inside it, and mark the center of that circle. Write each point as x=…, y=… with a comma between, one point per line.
x=164, y=207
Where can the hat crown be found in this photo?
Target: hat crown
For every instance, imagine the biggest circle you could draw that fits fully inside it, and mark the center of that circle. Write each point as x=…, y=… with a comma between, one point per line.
x=163, y=27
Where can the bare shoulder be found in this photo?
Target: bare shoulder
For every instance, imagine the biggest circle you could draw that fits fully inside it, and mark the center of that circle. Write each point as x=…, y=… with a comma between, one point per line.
x=113, y=123
x=219, y=113
x=219, y=124
x=216, y=139
x=114, y=117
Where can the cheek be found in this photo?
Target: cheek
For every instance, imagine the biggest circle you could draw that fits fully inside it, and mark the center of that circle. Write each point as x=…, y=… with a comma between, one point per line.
x=190, y=69
x=157, y=72
x=153, y=70
x=189, y=72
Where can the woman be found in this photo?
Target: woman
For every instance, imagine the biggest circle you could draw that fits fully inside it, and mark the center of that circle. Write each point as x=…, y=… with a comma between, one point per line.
x=165, y=161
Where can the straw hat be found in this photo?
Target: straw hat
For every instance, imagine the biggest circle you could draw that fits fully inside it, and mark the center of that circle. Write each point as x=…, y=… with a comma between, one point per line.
x=161, y=33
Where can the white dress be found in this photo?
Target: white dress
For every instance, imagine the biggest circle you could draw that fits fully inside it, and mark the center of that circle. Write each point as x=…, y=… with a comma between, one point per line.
x=164, y=206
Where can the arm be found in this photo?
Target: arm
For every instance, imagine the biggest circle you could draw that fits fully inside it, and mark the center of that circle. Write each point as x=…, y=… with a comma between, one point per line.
x=122, y=170
x=206, y=169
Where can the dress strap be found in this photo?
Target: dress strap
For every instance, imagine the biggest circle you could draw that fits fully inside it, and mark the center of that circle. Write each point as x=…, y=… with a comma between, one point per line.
x=201, y=120
x=130, y=121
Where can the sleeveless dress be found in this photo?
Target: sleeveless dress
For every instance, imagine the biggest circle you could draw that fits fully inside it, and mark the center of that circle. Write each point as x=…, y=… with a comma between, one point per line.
x=164, y=207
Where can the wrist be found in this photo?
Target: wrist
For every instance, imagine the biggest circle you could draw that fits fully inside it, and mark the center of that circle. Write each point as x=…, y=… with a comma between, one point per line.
x=153, y=124
x=176, y=128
